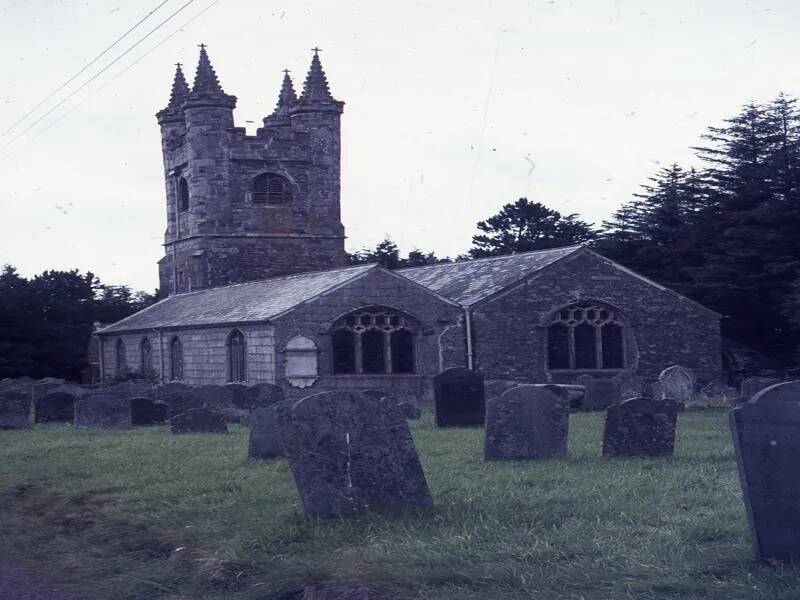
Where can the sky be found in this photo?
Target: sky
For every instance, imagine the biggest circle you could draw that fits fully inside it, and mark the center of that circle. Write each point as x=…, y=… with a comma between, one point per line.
x=453, y=108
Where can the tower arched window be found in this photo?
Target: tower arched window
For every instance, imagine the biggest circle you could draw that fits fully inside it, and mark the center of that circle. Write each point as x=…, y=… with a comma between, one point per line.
x=375, y=340
x=146, y=355
x=121, y=363
x=237, y=357
x=586, y=336
x=175, y=359
x=269, y=188
x=183, y=194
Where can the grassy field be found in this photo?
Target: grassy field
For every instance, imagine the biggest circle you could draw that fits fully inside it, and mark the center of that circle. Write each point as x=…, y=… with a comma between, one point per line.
x=146, y=514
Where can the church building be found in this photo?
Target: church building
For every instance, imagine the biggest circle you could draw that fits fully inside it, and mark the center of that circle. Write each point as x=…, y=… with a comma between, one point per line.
x=257, y=288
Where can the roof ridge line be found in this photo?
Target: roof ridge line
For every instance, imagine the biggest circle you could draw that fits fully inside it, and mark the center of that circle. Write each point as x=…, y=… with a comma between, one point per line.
x=255, y=281
x=489, y=258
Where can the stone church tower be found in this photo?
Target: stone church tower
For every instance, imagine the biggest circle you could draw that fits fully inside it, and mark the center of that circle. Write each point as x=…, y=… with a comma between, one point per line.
x=241, y=207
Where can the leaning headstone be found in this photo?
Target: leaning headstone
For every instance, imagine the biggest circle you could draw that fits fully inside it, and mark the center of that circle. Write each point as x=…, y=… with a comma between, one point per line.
x=262, y=395
x=766, y=437
x=265, y=438
x=15, y=409
x=198, y=420
x=55, y=407
x=640, y=427
x=102, y=411
x=677, y=383
x=751, y=386
x=350, y=451
x=526, y=422
x=599, y=394
x=146, y=411
x=459, y=398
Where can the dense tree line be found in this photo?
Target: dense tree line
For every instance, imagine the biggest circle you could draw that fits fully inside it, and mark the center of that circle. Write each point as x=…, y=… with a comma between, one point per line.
x=46, y=321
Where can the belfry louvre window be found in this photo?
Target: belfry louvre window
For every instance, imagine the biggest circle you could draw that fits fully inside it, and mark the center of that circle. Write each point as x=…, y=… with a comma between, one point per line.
x=586, y=336
x=175, y=359
x=183, y=194
x=237, y=358
x=373, y=340
x=270, y=188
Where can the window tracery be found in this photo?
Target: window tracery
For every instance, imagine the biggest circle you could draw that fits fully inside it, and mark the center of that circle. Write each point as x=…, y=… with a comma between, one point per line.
x=586, y=336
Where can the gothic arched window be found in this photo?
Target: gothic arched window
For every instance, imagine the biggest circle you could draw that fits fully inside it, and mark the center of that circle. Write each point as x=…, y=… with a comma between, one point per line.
x=373, y=340
x=270, y=188
x=586, y=336
x=175, y=359
x=183, y=194
x=237, y=358
x=121, y=362
x=146, y=352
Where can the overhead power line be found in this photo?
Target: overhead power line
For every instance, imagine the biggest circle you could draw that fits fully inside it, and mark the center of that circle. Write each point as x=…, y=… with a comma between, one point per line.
x=83, y=69
x=96, y=75
x=125, y=70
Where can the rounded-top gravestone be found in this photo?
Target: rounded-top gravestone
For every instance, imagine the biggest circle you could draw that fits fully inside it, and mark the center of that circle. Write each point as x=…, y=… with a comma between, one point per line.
x=102, y=411
x=676, y=383
x=766, y=438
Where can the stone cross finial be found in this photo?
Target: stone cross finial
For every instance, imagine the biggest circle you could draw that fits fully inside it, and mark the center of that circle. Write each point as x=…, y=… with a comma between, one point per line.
x=286, y=71
x=201, y=46
x=316, y=51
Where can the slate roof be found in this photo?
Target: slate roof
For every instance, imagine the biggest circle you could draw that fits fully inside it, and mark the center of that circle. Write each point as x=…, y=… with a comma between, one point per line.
x=239, y=302
x=471, y=281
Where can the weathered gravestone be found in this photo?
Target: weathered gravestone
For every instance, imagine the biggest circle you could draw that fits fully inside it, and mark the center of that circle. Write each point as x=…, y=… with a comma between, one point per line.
x=146, y=411
x=631, y=385
x=262, y=395
x=526, y=422
x=102, y=411
x=179, y=400
x=766, y=437
x=265, y=438
x=409, y=406
x=495, y=388
x=459, y=398
x=55, y=407
x=717, y=393
x=640, y=427
x=675, y=383
x=198, y=420
x=15, y=409
x=350, y=451
x=751, y=386
x=599, y=393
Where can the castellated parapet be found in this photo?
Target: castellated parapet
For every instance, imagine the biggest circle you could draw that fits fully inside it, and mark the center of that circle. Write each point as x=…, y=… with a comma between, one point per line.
x=242, y=207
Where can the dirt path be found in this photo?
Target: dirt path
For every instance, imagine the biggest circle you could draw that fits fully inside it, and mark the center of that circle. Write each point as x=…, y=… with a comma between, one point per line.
x=18, y=583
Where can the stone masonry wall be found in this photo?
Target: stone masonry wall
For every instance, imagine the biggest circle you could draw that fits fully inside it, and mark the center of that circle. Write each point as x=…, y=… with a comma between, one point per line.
x=439, y=320
x=510, y=332
x=205, y=354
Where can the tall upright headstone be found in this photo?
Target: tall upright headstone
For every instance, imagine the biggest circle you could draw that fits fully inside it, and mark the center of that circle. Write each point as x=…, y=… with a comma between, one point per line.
x=526, y=422
x=459, y=398
x=265, y=436
x=766, y=437
x=640, y=427
x=349, y=451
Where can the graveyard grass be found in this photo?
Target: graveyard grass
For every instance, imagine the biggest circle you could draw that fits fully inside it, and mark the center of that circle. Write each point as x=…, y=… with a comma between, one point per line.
x=146, y=514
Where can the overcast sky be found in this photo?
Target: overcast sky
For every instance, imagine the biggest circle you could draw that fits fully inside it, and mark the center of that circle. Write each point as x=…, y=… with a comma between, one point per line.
x=452, y=108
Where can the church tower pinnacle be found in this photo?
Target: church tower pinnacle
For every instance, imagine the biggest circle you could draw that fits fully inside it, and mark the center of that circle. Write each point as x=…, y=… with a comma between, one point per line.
x=242, y=207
